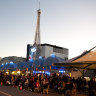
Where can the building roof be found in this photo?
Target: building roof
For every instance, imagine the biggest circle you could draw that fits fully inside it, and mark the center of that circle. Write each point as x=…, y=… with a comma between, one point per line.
x=45, y=44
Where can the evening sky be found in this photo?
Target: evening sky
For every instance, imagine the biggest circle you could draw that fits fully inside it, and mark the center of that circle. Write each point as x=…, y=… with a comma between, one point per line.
x=66, y=23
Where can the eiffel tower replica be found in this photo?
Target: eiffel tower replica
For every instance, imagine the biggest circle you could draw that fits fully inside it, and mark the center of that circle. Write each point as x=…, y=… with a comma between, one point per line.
x=34, y=51
x=37, y=37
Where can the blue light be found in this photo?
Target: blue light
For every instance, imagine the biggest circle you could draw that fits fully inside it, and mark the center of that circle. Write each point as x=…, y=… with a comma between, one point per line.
x=41, y=72
x=11, y=62
x=33, y=49
x=53, y=55
x=48, y=73
x=2, y=64
x=31, y=59
x=40, y=57
x=35, y=72
x=62, y=71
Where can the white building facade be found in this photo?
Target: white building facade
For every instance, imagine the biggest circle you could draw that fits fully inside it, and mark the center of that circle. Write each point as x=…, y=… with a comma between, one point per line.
x=47, y=50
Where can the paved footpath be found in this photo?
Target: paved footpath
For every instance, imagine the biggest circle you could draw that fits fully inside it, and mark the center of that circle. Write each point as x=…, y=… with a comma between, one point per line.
x=10, y=91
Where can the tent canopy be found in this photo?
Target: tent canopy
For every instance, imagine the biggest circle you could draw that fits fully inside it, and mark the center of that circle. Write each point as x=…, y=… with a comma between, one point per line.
x=50, y=60
x=87, y=60
x=9, y=66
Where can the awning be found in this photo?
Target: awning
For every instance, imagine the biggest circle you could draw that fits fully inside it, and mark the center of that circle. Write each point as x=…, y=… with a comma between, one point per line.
x=80, y=65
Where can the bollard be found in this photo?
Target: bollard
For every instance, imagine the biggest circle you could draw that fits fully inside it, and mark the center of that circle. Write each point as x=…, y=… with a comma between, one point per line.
x=1, y=83
x=20, y=87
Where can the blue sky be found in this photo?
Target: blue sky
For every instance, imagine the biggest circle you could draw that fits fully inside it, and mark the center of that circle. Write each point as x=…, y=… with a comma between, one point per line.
x=67, y=23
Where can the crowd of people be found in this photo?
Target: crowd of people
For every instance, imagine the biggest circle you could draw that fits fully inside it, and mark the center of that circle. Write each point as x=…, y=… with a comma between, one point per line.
x=41, y=83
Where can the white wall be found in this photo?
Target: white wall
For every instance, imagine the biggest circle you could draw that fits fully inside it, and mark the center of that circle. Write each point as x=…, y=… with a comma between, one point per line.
x=48, y=50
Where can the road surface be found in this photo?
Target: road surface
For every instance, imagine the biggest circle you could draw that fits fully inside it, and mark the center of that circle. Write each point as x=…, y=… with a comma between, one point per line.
x=10, y=91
